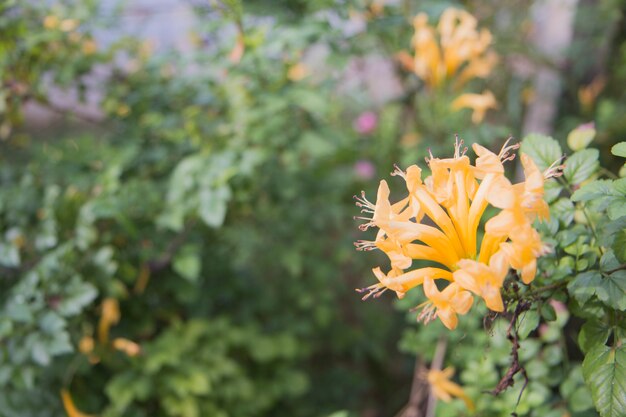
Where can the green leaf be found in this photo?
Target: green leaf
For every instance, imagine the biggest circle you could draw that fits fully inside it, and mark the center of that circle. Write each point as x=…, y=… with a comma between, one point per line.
x=593, y=190
x=187, y=262
x=581, y=137
x=563, y=210
x=612, y=290
x=583, y=287
x=581, y=165
x=619, y=245
x=619, y=149
x=592, y=334
x=544, y=150
x=526, y=323
x=213, y=205
x=604, y=370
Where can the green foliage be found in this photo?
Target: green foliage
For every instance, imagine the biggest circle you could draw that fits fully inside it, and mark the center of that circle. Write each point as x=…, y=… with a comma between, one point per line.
x=207, y=367
x=604, y=369
x=211, y=199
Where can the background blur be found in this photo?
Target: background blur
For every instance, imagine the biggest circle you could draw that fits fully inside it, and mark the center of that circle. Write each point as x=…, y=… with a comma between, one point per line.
x=176, y=212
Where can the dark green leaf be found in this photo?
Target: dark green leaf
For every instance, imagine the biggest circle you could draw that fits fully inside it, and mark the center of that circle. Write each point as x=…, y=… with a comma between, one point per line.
x=604, y=370
x=593, y=333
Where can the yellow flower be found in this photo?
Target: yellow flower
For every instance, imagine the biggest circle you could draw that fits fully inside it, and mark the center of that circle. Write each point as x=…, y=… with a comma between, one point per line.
x=51, y=22
x=445, y=304
x=454, y=49
x=523, y=250
x=110, y=315
x=438, y=221
x=479, y=103
x=484, y=280
x=297, y=72
x=129, y=347
x=70, y=408
x=444, y=389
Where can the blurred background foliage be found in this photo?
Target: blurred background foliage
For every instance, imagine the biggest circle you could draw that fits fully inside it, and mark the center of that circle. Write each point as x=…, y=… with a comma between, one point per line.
x=209, y=196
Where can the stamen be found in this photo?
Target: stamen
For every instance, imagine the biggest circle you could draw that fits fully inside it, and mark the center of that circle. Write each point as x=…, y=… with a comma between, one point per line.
x=459, y=150
x=364, y=202
x=430, y=157
x=556, y=169
x=365, y=245
x=504, y=154
x=428, y=313
x=375, y=290
x=397, y=171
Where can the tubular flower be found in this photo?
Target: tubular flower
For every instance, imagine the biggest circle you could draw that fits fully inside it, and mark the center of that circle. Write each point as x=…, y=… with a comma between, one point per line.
x=70, y=408
x=455, y=49
x=444, y=389
x=478, y=103
x=439, y=220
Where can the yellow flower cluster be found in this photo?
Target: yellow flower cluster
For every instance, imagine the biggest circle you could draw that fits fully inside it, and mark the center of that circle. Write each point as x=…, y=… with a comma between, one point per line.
x=438, y=221
x=455, y=50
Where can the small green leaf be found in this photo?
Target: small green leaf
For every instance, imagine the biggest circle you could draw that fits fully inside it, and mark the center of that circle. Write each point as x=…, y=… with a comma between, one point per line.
x=526, y=323
x=563, y=209
x=581, y=137
x=187, y=262
x=544, y=150
x=548, y=312
x=581, y=165
x=612, y=290
x=604, y=369
x=619, y=149
x=592, y=334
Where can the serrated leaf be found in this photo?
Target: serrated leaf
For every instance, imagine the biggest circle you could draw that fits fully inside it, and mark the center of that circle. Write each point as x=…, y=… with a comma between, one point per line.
x=581, y=137
x=594, y=189
x=581, y=165
x=604, y=370
x=619, y=149
x=593, y=333
x=612, y=291
x=544, y=150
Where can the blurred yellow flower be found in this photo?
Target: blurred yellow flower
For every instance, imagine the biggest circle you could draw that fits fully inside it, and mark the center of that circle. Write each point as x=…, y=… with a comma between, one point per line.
x=70, y=408
x=455, y=49
x=479, y=103
x=588, y=94
x=89, y=47
x=438, y=221
x=297, y=72
x=444, y=389
x=110, y=316
x=67, y=25
x=51, y=22
x=129, y=347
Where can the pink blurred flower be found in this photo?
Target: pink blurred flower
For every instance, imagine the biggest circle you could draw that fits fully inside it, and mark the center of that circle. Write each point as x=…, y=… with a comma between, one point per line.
x=366, y=122
x=364, y=170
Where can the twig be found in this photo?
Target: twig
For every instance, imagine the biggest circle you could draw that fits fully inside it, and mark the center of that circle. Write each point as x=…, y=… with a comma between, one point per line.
x=511, y=334
x=419, y=392
x=437, y=364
